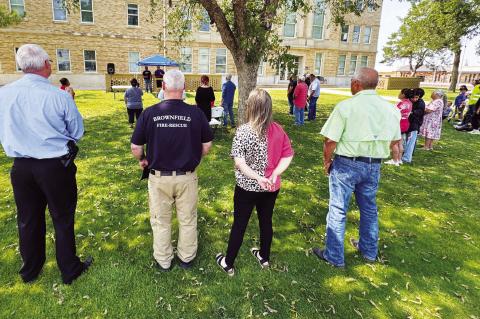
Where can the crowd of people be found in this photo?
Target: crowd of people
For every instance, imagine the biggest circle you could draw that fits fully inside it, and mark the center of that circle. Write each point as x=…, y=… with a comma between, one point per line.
x=359, y=134
x=302, y=96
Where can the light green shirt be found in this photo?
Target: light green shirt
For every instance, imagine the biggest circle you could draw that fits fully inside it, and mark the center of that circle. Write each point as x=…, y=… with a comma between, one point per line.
x=363, y=125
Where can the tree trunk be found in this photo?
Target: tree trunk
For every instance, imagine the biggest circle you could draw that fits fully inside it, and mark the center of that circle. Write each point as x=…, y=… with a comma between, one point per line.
x=456, y=65
x=247, y=81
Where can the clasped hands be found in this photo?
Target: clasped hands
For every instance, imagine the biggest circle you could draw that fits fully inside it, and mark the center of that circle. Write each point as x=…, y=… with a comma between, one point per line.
x=267, y=184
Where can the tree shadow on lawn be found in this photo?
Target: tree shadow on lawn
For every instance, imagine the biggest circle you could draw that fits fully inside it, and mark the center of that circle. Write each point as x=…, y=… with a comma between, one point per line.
x=113, y=225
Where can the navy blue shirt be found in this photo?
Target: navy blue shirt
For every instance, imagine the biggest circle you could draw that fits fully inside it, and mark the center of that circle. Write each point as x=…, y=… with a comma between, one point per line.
x=174, y=132
x=228, y=92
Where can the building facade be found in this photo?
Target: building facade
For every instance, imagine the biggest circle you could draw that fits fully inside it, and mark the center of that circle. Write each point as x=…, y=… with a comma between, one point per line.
x=81, y=43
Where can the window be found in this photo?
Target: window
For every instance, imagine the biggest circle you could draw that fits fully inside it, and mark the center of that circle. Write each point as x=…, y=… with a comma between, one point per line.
x=371, y=6
x=132, y=12
x=353, y=65
x=17, y=67
x=204, y=60
x=261, y=68
x=18, y=6
x=63, y=60
x=204, y=23
x=186, y=60
x=367, y=33
x=364, y=61
x=344, y=36
x=221, y=61
x=356, y=34
x=59, y=10
x=318, y=20
x=86, y=11
x=341, y=64
x=90, y=60
x=318, y=63
x=133, y=58
x=290, y=25
x=359, y=5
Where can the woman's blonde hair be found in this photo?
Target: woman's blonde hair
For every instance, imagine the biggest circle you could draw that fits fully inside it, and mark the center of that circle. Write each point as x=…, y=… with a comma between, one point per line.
x=258, y=111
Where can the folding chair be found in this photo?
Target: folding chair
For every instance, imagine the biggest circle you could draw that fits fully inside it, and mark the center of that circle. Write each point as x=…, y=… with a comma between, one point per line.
x=217, y=118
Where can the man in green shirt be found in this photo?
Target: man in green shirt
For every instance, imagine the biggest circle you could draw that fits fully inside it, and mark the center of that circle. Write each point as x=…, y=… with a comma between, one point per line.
x=358, y=135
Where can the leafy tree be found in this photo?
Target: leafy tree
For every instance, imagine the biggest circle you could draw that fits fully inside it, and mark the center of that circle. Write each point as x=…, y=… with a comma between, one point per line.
x=8, y=18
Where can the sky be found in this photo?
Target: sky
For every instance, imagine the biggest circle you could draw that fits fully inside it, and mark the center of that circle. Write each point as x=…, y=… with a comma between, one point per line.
x=390, y=22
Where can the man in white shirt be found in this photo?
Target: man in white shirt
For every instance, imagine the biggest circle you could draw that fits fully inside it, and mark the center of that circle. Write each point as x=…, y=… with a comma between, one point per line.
x=313, y=94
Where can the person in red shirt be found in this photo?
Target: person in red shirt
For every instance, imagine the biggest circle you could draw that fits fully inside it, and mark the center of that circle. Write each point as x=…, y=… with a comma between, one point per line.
x=300, y=95
x=66, y=87
x=405, y=107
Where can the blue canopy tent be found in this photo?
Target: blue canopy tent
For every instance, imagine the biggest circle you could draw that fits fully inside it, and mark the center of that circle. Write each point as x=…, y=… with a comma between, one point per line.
x=157, y=60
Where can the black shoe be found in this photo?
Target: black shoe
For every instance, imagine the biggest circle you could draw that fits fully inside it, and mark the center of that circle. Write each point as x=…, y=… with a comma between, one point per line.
x=185, y=265
x=354, y=244
x=32, y=279
x=86, y=264
x=164, y=269
x=229, y=270
x=319, y=253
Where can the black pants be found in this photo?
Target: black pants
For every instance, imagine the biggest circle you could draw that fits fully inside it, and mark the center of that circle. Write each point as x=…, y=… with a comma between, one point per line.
x=132, y=113
x=159, y=84
x=244, y=202
x=476, y=119
x=36, y=184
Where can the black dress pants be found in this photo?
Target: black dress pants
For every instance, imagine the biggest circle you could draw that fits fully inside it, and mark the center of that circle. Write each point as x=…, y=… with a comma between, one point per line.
x=244, y=202
x=36, y=185
x=133, y=113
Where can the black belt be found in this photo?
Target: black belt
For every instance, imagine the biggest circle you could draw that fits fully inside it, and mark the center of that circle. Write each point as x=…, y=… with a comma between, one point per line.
x=362, y=159
x=169, y=173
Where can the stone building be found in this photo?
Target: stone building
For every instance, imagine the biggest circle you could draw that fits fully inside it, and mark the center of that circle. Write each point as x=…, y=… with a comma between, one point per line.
x=81, y=43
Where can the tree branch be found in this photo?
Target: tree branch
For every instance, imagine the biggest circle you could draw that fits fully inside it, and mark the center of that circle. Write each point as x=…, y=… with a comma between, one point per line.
x=239, y=12
x=218, y=16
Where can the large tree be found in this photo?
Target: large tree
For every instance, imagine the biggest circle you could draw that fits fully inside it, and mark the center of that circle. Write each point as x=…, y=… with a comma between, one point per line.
x=250, y=28
x=432, y=26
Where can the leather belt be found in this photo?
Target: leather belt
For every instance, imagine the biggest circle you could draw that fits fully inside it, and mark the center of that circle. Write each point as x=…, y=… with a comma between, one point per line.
x=362, y=159
x=169, y=173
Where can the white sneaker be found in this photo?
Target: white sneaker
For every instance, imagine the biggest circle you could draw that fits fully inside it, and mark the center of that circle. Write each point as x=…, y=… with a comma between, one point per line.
x=392, y=162
x=476, y=132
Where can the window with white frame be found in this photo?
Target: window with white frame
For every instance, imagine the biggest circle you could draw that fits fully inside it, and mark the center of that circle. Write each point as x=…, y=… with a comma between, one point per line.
x=18, y=6
x=367, y=34
x=318, y=19
x=133, y=58
x=187, y=23
x=186, y=60
x=90, y=60
x=289, y=25
x=221, y=61
x=318, y=63
x=86, y=11
x=344, y=34
x=359, y=4
x=17, y=67
x=261, y=68
x=204, y=22
x=132, y=12
x=63, y=60
x=204, y=60
x=341, y=64
x=371, y=5
x=364, y=61
x=59, y=10
x=353, y=65
x=356, y=34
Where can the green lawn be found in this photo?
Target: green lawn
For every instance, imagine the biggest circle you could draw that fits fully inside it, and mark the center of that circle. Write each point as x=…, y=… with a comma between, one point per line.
x=428, y=91
x=429, y=237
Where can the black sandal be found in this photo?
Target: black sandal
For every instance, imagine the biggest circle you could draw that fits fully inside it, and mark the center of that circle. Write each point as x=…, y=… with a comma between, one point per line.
x=229, y=270
x=263, y=262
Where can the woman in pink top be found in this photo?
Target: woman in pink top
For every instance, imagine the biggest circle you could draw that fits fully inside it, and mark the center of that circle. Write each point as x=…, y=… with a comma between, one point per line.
x=262, y=152
x=300, y=100
x=405, y=107
x=432, y=121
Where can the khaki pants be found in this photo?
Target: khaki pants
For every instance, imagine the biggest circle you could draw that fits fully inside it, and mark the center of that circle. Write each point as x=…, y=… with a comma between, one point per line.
x=163, y=192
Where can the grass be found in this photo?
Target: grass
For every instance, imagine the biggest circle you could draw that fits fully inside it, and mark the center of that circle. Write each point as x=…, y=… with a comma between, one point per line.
x=429, y=237
x=428, y=91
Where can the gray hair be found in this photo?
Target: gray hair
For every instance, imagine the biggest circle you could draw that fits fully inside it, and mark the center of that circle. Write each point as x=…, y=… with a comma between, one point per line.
x=228, y=77
x=368, y=77
x=439, y=93
x=301, y=78
x=174, y=80
x=31, y=58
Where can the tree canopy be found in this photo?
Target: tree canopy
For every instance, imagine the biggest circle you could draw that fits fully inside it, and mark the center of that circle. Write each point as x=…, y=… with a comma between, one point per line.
x=8, y=18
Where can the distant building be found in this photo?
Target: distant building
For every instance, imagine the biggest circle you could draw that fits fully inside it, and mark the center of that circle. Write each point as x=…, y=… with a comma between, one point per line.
x=440, y=76
x=83, y=42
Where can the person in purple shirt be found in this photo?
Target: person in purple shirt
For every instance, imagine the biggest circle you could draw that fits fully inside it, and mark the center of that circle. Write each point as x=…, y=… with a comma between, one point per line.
x=460, y=102
x=228, y=93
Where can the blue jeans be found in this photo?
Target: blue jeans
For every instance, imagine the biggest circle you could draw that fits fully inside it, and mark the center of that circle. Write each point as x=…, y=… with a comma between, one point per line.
x=409, y=146
x=228, y=110
x=299, y=115
x=312, y=108
x=346, y=177
x=148, y=85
